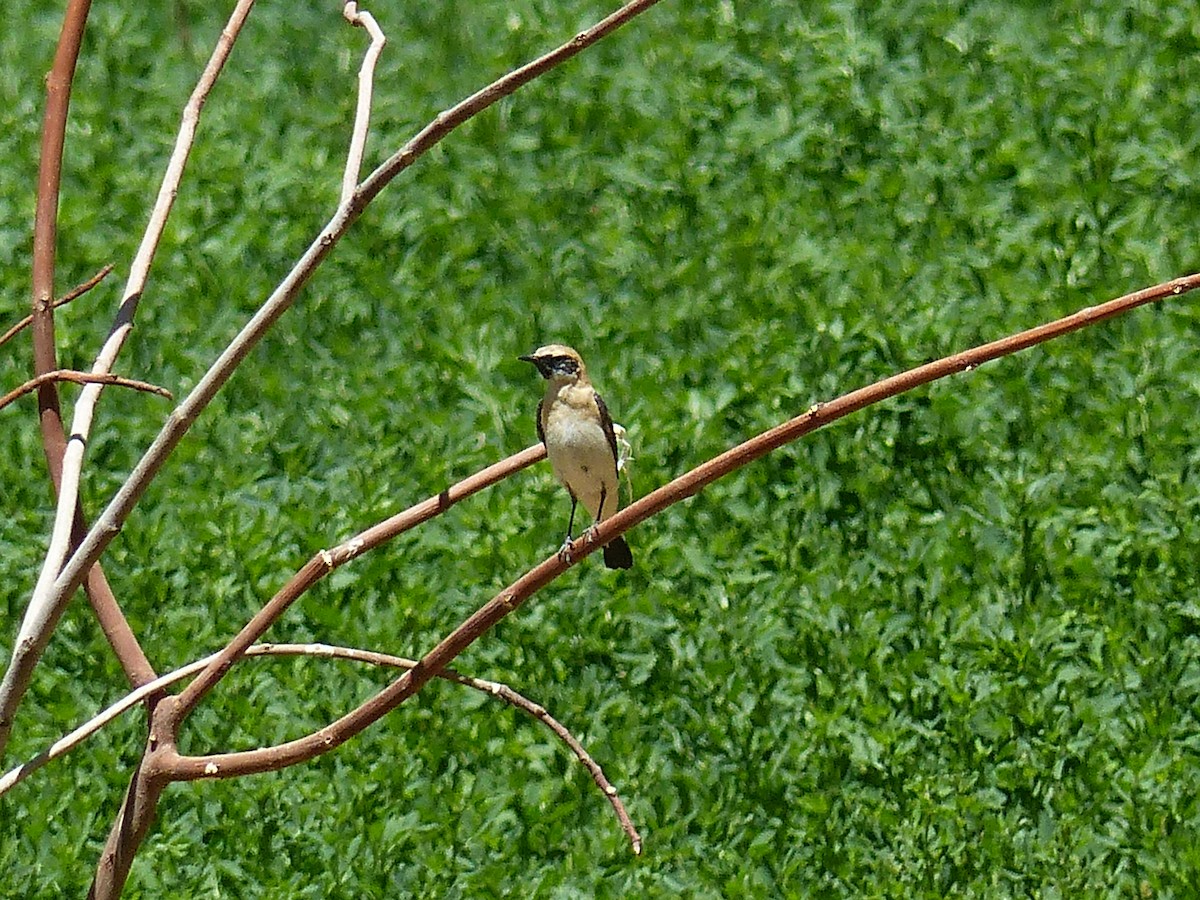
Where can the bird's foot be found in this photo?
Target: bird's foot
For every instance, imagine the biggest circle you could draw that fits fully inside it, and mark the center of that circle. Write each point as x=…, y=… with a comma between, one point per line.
x=590, y=534
x=564, y=552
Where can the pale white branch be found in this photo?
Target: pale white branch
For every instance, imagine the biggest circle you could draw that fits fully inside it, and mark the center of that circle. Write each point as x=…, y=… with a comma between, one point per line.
x=366, y=82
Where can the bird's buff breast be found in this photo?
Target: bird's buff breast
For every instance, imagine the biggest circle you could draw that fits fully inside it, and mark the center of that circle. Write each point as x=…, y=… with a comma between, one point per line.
x=581, y=458
x=568, y=437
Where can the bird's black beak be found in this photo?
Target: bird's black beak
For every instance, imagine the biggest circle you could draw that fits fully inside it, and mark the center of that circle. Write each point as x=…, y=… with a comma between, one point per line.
x=542, y=370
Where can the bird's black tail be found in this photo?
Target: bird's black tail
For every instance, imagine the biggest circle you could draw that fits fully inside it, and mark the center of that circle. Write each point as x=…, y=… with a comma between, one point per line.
x=617, y=554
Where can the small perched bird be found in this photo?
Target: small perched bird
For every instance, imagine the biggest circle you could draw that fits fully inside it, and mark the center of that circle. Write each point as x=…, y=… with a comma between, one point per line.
x=574, y=424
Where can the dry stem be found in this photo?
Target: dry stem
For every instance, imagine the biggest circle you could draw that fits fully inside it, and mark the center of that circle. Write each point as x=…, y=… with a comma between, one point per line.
x=46, y=605
x=69, y=742
x=366, y=81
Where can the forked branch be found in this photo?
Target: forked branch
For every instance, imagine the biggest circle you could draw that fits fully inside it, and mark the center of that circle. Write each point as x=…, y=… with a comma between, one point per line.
x=503, y=692
x=74, y=294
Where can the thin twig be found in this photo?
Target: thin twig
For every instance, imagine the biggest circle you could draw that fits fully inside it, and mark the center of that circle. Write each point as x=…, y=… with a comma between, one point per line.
x=487, y=616
x=366, y=81
x=46, y=605
x=69, y=742
x=82, y=378
x=74, y=294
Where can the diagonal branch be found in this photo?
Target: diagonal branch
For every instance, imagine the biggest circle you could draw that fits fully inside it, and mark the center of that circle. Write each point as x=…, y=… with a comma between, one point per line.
x=327, y=560
x=447, y=121
x=74, y=294
x=70, y=741
x=168, y=714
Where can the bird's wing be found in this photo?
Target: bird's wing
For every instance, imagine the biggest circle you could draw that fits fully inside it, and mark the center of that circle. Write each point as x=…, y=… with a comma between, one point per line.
x=606, y=424
x=540, y=430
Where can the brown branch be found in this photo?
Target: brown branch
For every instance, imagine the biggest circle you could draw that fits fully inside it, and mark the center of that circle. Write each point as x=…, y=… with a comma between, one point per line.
x=129, y=829
x=493, y=688
x=74, y=294
x=82, y=378
x=147, y=783
x=447, y=121
x=168, y=715
x=112, y=621
x=69, y=742
x=45, y=222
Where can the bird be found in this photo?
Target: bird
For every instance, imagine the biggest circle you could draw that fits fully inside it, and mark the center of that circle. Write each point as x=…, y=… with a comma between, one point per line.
x=574, y=424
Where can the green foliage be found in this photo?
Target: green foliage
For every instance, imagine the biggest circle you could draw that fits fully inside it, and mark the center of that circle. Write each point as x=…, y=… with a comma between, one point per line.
x=949, y=646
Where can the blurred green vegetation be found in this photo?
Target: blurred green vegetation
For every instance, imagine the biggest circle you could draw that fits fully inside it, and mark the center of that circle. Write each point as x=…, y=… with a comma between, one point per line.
x=949, y=646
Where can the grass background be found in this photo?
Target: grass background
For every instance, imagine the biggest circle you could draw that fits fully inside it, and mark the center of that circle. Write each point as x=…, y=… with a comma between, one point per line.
x=949, y=646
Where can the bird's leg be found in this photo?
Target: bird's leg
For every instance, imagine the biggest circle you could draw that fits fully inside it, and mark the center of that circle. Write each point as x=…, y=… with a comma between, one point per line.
x=590, y=534
x=564, y=552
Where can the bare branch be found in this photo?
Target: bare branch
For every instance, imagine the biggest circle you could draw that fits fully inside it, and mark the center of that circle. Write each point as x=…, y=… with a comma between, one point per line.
x=47, y=603
x=129, y=829
x=366, y=81
x=45, y=222
x=327, y=560
x=82, y=378
x=445, y=122
x=686, y=485
x=74, y=294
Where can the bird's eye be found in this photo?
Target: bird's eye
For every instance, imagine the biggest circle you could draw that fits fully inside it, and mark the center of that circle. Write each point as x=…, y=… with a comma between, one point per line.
x=566, y=365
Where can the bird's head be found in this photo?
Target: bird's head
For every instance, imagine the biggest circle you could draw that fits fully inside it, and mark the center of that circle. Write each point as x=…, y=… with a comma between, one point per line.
x=556, y=362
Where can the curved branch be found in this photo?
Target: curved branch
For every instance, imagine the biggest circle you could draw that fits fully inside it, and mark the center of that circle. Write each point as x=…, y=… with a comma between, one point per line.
x=82, y=378
x=69, y=742
x=366, y=80
x=326, y=561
